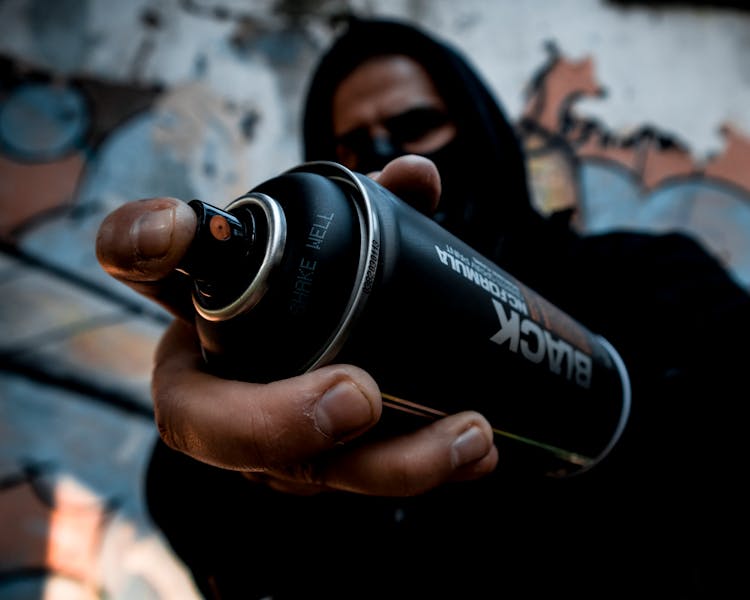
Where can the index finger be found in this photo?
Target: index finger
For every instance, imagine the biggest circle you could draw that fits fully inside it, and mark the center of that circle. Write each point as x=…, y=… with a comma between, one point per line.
x=414, y=179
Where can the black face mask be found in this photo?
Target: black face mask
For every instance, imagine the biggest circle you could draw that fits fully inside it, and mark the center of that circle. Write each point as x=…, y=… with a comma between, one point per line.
x=459, y=197
x=458, y=200
x=470, y=207
x=374, y=153
x=479, y=203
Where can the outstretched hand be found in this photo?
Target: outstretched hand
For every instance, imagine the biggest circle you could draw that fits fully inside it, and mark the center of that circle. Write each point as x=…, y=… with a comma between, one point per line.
x=302, y=434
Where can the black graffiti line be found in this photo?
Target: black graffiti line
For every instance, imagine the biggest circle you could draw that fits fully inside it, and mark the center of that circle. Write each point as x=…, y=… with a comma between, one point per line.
x=89, y=390
x=77, y=280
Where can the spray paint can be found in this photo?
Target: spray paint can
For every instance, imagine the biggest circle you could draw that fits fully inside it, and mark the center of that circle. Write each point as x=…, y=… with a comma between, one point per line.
x=321, y=264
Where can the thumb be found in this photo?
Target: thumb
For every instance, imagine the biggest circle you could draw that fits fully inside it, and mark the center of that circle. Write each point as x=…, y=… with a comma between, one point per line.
x=142, y=242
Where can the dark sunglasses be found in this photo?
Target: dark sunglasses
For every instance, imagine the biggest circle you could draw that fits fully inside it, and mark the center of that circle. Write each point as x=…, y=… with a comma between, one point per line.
x=402, y=128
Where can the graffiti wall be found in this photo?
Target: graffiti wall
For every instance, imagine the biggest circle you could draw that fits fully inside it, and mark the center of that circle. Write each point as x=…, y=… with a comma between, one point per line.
x=102, y=102
x=645, y=179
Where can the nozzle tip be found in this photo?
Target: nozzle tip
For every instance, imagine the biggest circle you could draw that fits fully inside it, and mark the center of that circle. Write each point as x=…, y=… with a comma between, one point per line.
x=221, y=238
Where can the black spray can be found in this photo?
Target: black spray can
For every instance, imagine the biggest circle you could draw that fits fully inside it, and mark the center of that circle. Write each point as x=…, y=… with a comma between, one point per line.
x=321, y=264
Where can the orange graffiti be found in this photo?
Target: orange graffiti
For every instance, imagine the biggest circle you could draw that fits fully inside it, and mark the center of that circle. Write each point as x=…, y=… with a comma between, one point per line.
x=561, y=82
x=732, y=165
x=30, y=190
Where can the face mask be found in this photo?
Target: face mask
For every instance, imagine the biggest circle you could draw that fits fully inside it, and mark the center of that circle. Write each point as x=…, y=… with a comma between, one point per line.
x=374, y=153
x=479, y=203
x=458, y=198
x=460, y=193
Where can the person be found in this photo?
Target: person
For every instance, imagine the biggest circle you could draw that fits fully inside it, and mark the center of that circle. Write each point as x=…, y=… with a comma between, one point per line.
x=277, y=491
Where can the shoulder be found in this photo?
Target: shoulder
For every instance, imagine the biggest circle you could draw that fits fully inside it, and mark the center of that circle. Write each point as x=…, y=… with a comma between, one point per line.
x=660, y=247
x=662, y=259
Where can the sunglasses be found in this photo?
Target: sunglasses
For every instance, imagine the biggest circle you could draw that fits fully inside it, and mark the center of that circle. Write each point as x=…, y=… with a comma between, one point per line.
x=403, y=128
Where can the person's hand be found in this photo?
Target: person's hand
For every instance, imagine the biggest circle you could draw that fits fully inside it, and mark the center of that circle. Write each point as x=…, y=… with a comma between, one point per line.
x=301, y=434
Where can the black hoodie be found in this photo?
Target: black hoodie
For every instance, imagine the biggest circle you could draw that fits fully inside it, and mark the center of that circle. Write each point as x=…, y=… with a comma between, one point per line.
x=653, y=519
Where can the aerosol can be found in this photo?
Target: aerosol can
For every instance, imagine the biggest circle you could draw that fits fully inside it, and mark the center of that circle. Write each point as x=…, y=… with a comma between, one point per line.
x=321, y=264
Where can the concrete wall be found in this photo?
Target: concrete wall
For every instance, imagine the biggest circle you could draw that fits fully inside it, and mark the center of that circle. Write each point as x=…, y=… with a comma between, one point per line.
x=104, y=101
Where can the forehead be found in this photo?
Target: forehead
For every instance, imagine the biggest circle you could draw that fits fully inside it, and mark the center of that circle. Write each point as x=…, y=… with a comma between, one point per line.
x=381, y=87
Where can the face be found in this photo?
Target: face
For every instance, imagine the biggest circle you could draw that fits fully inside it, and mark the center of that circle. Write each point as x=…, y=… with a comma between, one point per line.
x=386, y=107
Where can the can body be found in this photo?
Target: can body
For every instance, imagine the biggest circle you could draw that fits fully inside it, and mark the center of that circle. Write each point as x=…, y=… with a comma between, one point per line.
x=353, y=274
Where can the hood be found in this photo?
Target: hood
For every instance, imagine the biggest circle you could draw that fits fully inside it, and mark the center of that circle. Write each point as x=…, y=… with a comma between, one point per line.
x=495, y=174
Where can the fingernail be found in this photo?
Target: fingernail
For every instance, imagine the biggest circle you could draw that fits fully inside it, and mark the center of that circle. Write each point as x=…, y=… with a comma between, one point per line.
x=151, y=233
x=471, y=445
x=342, y=409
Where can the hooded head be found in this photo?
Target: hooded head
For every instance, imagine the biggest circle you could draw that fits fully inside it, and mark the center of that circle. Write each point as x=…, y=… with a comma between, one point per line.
x=482, y=168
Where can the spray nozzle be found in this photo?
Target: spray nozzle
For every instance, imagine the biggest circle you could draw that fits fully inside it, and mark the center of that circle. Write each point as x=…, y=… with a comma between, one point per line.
x=222, y=246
